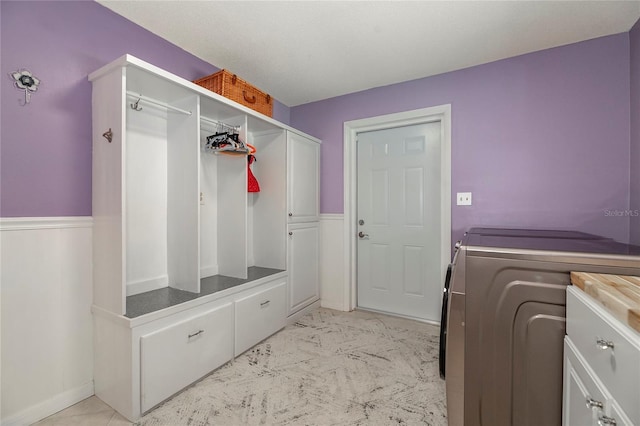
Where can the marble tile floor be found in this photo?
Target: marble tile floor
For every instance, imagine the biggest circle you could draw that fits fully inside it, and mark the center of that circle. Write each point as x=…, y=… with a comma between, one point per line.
x=329, y=368
x=90, y=412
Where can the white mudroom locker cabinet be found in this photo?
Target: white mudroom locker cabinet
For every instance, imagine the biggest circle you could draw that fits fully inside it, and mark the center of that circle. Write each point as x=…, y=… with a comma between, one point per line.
x=190, y=269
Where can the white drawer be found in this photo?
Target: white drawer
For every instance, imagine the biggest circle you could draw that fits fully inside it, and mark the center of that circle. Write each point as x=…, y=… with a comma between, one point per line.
x=580, y=387
x=619, y=368
x=176, y=356
x=259, y=315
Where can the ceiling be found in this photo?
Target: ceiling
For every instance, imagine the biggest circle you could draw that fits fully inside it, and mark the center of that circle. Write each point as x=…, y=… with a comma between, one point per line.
x=304, y=51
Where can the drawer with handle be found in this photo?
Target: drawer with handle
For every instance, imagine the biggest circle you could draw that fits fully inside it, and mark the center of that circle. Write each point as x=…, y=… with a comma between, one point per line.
x=176, y=356
x=259, y=315
x=608, y=348
x=584, y=401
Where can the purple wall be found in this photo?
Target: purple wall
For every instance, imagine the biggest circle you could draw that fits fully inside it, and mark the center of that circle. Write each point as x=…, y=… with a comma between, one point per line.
x=45, y=152
x=634, y=189
x=542, y=140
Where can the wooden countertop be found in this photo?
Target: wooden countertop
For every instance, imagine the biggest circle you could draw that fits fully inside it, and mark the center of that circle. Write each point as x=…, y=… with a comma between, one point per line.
x=619, y=294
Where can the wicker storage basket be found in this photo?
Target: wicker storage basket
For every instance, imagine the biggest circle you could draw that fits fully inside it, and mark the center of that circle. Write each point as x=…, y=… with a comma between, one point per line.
x=230, y=86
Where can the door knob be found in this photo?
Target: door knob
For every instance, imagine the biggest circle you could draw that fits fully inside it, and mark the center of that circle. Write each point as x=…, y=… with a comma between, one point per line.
x=363, y=235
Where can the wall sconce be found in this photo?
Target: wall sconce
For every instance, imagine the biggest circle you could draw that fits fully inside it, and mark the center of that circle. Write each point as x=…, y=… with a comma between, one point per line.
x=26, y=81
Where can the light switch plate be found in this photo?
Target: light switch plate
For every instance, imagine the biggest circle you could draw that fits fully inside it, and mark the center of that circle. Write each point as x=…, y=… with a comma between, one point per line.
x=464, y=198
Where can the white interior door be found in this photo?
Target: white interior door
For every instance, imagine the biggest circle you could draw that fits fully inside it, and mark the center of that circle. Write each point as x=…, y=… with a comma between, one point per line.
x=399, y=220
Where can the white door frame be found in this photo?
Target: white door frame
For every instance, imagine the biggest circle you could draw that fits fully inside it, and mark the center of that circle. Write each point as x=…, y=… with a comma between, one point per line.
x=441, y=113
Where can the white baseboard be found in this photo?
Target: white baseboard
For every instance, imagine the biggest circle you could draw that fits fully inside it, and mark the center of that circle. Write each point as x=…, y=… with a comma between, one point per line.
x=208, y=271
x=295, y=317
x=50, y=406
x=142, y=286
x=332, y=304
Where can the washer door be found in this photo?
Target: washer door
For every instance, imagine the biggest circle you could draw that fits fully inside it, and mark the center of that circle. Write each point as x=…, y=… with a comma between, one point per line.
x=443, y=321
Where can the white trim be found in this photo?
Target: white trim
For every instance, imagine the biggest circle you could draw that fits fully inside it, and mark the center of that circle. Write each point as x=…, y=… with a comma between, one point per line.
x=208, y=271
x=29, y=223
x=330, y=305
x=51, y=406
x=291, y=319
x=331, y=216
x=440, y=113
x=142, y=286
x=392, y=314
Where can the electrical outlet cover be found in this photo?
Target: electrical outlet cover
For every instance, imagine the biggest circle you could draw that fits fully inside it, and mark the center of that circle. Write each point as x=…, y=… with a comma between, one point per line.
x=463, y=198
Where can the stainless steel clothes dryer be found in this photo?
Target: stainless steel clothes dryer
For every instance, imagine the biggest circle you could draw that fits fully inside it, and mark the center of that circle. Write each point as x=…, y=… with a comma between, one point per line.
x=504, y=321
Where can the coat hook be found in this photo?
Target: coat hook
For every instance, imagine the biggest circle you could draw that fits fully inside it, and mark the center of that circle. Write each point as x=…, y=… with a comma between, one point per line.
x=135, y=106
x=108, y=135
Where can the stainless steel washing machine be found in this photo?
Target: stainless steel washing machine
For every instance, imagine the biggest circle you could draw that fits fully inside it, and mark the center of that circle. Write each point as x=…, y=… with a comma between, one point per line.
x=503, y=321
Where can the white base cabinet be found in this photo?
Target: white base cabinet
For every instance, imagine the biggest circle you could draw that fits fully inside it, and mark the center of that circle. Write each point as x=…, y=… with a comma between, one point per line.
x=601, y=366
x=143, y=361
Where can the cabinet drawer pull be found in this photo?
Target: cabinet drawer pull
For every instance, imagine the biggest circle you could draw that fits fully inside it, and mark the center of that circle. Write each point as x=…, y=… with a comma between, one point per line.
x=265, y=303
x=290, y=214
x=604, y=344
x=606, y=421
x=199, y=332
x=290, y=233
x=594, y=403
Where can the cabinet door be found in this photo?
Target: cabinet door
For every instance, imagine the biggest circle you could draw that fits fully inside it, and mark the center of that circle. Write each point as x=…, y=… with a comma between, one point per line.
x=303, y=167
x=302, y=263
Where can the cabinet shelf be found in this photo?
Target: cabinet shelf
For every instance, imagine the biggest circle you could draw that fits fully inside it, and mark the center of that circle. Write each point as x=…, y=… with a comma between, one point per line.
x=155, y=300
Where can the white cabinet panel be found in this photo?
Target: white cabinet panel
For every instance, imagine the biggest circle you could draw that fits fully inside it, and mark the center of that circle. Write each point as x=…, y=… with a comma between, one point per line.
x=108, y=209
x=178, y=355
x=259, y=315
x=303, y=176
x=303, y=253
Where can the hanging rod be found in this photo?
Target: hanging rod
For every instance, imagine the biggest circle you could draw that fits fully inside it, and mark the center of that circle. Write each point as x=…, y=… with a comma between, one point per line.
x=155, y=102
x=219, y=123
